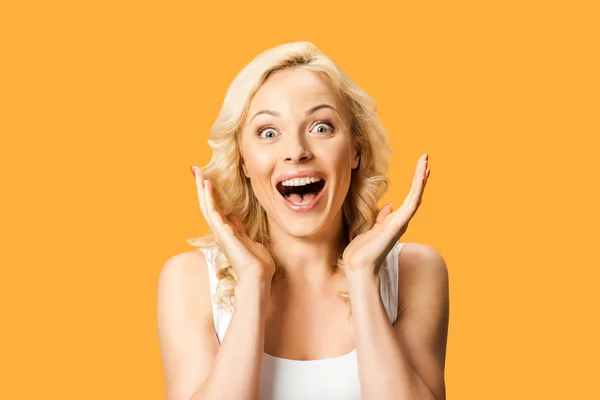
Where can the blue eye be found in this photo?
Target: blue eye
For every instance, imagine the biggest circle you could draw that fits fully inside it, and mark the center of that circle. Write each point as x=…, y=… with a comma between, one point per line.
x=265, y=129
x=325, y=124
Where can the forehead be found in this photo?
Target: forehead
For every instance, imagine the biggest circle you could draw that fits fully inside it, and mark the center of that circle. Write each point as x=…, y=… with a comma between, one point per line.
x=294, y=90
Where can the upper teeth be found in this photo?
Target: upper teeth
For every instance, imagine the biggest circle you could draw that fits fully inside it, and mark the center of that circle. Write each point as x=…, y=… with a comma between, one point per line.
x=300, y=181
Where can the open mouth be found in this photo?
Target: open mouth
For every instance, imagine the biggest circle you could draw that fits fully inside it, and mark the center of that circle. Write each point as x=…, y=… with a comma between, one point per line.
x=301, y=194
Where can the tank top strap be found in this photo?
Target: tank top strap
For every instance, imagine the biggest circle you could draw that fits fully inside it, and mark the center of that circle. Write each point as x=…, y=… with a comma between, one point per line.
x=210, y=255
x=388, y=274
x=221, y=316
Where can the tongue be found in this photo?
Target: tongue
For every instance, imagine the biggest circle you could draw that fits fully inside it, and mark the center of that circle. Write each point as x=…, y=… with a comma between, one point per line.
x=301, y=198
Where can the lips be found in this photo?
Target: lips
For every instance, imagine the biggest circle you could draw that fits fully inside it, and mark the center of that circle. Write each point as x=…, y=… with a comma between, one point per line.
x=306, y=204
x=303, y=197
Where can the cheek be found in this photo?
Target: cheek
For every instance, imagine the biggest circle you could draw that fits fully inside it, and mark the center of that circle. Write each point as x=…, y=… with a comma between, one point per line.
x=342, y=163
x=339, y=158
x=257, y=162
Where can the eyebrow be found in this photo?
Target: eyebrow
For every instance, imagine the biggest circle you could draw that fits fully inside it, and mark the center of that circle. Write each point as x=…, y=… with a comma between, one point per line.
x=310, y=111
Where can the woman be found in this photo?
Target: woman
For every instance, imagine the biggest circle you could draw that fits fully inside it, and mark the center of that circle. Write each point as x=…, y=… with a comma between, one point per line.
x=301, y=291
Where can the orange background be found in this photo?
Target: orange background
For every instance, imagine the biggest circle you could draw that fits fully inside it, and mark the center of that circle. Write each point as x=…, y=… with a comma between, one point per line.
x=105, y=105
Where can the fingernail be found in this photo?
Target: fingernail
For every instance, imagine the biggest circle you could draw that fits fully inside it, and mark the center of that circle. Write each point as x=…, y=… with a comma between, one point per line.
x=390, y=204
x=193, y=172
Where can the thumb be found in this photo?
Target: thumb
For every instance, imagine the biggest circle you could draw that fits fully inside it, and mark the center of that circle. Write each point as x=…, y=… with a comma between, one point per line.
x=237, y=224
x=383, y=213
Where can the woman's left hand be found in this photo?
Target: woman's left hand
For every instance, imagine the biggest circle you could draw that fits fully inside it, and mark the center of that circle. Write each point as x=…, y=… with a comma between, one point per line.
x=367, y=251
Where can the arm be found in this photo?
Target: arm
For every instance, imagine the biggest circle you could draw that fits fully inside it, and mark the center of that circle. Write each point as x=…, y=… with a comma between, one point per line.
x=404, y=361
x=195, y=366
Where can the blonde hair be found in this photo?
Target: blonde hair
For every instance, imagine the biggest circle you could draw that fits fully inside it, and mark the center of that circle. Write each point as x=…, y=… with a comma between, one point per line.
x=232, y=191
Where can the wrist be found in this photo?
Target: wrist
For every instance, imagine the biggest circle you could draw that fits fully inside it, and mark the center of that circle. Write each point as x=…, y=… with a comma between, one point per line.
x=363, y=275
x=251, y=286
x=362, y=280
x=259, y=273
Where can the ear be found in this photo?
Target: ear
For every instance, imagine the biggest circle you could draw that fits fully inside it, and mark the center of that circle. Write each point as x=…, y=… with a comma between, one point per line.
x=356, y=157
x=241, y=155
x=244, y=168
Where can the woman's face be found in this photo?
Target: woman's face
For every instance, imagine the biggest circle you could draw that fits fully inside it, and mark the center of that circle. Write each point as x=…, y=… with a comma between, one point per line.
x=297, y=124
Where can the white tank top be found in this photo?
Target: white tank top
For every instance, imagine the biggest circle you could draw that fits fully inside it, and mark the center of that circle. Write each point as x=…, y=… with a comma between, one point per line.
x=331, y=378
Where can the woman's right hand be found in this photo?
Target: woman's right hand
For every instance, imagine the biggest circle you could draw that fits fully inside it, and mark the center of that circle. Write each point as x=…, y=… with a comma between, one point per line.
x=249, y=259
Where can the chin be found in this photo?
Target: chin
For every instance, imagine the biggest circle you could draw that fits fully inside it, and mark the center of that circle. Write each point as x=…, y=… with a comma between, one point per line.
x=303, y=230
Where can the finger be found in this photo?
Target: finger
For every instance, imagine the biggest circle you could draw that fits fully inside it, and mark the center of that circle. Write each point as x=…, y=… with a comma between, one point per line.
x=425, y=180
x=200, y=189
x=220, y=224
x=211, y=208
x=420, y=173
x=412, y=201
x=418, y=181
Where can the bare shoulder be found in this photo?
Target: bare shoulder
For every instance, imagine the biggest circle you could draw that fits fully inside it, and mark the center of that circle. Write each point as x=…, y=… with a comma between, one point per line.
x=185, y=276
x=187, y=271
x=418, y=255
x=188, y=343
x=421, y=270
x=412, y=252
x=184, y=282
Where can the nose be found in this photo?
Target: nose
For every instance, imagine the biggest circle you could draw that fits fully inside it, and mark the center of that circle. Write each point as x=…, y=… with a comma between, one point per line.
x=298, y=152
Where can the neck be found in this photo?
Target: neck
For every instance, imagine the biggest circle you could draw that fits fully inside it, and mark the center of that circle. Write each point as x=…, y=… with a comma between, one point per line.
x=308, y=263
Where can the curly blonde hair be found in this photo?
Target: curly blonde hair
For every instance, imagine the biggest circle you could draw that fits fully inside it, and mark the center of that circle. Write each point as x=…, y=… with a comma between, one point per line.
x=232, y=191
